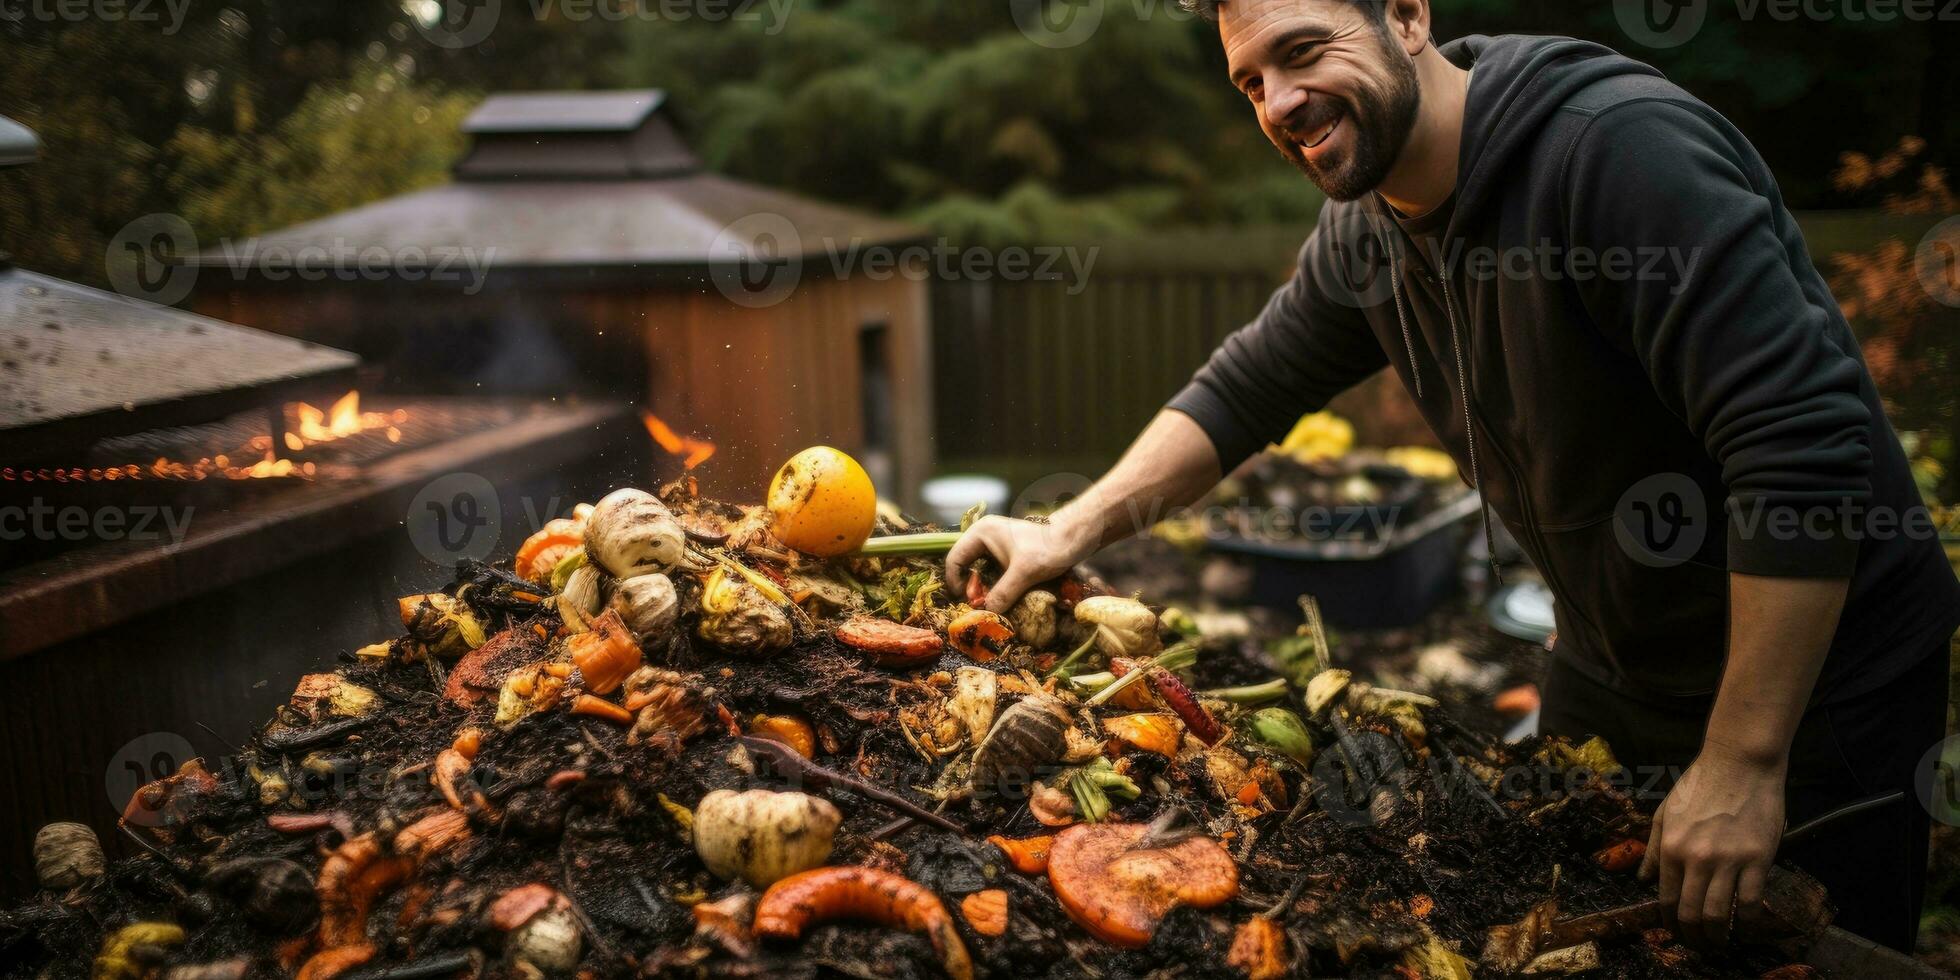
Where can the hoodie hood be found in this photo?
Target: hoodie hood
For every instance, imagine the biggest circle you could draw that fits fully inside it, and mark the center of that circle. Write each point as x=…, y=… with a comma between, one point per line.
x=1519, y=83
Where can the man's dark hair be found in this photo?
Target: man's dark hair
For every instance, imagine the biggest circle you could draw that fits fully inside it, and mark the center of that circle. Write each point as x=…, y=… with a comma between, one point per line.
x=1208, y=9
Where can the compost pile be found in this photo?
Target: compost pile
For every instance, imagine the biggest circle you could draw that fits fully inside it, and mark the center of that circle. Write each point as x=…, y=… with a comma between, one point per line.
x=668, y=744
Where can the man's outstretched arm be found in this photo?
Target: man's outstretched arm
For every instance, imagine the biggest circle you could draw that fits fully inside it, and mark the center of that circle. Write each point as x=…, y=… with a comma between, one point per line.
x=1715, y=836
x=1171, y=464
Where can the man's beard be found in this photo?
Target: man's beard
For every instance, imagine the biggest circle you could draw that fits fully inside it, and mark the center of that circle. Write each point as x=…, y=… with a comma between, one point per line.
x=1382, y=118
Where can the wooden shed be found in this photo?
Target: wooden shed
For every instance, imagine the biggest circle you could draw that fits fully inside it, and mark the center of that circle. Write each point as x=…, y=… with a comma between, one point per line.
x=582, y=249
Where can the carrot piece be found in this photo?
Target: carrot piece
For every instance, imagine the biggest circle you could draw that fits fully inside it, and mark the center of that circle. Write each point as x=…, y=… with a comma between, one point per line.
x=980, y=634
x=1259, y=949
x=1028, y=855
x=593, y=706
x=1516, y=702
x=891, y=644
x=542, y=551
x=854, y=892
x=793, y=732
x=1151, y=732
x=606, y=654
x=1623, y=856
x=986, y=911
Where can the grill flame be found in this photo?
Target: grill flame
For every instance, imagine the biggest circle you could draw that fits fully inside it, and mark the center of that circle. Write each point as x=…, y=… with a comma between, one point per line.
x=314, y=426
x=693, y=451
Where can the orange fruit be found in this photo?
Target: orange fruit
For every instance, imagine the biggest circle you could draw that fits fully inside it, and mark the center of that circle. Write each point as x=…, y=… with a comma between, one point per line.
x=822, y=503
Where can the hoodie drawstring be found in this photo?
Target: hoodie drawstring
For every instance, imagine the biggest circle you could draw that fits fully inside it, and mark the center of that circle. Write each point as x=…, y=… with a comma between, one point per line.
x=1462, y=389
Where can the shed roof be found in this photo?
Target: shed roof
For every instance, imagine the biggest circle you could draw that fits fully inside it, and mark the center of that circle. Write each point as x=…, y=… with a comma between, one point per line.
x=560, y=112
x=568, y=181
x=681, y=221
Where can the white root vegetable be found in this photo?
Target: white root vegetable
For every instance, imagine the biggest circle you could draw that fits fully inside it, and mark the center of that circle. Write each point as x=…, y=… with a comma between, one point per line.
x=647, y=604
x=632, y=533
x=1124, y=627
x=762, y=836
x=737, y=616
x=66, y=855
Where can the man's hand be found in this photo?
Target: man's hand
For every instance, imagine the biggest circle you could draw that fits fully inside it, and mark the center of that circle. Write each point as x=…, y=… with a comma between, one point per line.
x=1714, y=839
x=1027, y=552
x=1171, y=464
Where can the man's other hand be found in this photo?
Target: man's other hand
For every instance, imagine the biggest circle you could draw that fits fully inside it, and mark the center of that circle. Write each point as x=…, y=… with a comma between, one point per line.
x=1714, y=839
x=1028, y=553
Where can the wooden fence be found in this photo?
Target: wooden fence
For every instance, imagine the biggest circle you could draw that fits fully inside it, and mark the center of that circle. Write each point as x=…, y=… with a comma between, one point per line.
x=1036, y=377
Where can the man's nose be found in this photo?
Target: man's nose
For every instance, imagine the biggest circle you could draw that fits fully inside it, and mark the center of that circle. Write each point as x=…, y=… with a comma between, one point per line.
x=1282, y=105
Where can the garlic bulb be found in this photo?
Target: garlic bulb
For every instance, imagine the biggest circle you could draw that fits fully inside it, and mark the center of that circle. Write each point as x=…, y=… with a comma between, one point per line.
x=582, y=591
x=646, y=603
x=67, y=854
x=632, y=533
x=550, y=943
x=763, y=836
x=1034, y=618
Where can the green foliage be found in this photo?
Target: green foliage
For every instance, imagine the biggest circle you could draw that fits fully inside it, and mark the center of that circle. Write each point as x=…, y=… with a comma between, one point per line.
x=346, y=144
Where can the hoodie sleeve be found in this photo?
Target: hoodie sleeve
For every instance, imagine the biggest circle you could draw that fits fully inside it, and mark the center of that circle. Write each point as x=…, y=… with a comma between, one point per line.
x=1310, y=343
x=1708, y=297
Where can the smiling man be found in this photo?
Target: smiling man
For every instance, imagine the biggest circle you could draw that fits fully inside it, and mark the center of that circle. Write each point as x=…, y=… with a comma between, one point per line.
x=1588, y=281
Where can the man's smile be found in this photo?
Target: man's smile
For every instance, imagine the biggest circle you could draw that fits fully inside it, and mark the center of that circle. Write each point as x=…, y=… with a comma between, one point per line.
x=1320, y=136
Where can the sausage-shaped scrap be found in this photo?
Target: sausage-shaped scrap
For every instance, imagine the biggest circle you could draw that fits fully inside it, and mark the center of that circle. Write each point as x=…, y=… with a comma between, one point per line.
x=855, y=892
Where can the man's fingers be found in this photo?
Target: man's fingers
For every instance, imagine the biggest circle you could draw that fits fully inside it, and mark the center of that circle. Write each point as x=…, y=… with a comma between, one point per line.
x=1750, y=886
x=970, y=547
x=1718, y=908
x=1005, y=592
x=1689, y=902
x=1670, y=887
x=1650, y=861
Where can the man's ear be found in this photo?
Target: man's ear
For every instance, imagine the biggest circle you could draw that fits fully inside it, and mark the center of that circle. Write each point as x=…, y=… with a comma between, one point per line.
x=1408, y=23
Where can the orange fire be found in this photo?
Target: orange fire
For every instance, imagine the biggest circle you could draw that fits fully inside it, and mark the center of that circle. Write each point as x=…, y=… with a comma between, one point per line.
x=342, y=419
x=695, y=451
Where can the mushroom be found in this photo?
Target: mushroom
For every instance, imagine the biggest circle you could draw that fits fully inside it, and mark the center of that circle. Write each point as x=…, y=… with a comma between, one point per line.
x=1120, y=892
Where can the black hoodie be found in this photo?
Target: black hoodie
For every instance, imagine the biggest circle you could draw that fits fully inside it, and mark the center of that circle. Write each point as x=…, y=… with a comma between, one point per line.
x=1621, y=339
